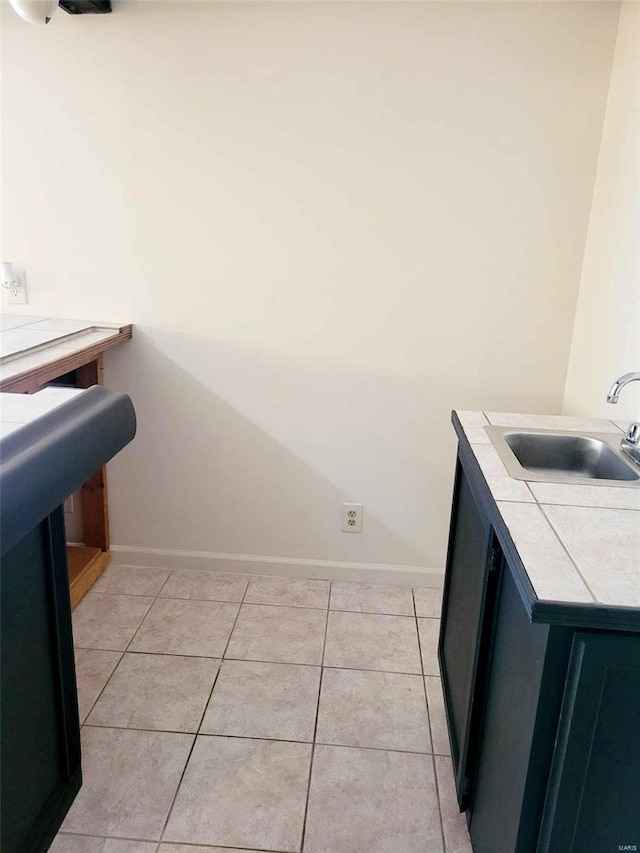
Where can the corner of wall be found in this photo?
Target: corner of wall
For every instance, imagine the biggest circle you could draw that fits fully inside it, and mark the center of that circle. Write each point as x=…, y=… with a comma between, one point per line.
x=606, y=335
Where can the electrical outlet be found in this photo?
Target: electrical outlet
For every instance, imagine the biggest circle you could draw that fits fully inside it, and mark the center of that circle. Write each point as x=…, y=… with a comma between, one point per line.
x=352, y=518
x=68, y=505
x=17, y=295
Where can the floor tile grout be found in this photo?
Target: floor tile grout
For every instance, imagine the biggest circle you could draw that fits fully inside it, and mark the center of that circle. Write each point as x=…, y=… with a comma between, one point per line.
x=424, y=689
x=264, y=737
x=197, y=733
x=222, y=658
x=121, y=652
x=97, y=699
x=186, y=844
x=175, y=795
x=241, y=602
x=140, y=624
x=315, y=728
x=165, y=582
x=417, y=674
x=116, y=837
x=224, y=847
x=433, y=762
x=437, y=787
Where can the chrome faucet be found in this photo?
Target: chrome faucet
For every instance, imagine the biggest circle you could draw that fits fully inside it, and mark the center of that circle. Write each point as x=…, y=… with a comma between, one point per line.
x=630, y=444
x=618, y=385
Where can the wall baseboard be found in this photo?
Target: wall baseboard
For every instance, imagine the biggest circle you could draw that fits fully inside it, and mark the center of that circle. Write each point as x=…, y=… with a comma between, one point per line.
x=259, y=564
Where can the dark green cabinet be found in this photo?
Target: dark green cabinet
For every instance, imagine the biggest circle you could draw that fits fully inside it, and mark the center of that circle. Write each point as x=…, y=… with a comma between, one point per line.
x=468, y=597
x=40, y=733
x=593, y=801
x=543, y=716
x=523, y=692
x=40, y=464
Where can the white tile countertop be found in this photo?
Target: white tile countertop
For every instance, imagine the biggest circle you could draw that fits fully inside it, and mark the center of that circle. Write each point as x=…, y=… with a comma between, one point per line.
x=579, y=544
x=31, y=346
x=16, y=410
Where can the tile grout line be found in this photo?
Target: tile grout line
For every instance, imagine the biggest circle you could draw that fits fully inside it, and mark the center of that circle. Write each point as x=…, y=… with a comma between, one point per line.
x=567, y=552
x=590, y=506
x=437, y=787
x=165, y=582
x=262, y=660
x=315, y=728
x=206, y=704
x=155, y=598
x=126, y=648
x=422, y=677
x=222, y=659
x=190, y=845
x=99, y=696
x=108, y=837
x=271, y=604
x=223, y=656
x=223, y=847
x=426, y=699
x=263, y=738
x=186, y=844
x=121, y=652
x=197, y=733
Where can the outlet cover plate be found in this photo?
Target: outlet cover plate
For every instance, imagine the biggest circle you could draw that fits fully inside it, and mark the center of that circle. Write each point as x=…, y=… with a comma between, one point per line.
x=351, y=518
x=18, y=295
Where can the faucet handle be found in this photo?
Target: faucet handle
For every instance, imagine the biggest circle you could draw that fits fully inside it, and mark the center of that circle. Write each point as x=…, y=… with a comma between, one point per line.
x=633, y=434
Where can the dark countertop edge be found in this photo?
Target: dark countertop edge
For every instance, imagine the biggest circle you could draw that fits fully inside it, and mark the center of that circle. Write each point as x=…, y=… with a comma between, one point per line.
x=47, y=459
x=597, y=616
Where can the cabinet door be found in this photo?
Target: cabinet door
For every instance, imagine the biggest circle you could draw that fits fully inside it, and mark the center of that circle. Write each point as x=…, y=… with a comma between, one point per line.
x=40, y=733
x=593, y=802
x=507, y=798
x=463, y=617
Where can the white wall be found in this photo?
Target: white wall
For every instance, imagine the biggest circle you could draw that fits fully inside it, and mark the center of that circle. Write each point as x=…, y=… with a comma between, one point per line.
x=330, y=223
x=606, y=336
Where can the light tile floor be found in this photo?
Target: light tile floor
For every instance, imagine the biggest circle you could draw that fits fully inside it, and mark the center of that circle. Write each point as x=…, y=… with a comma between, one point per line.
x=238, y=713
